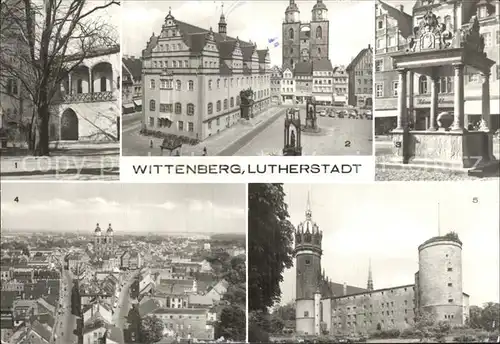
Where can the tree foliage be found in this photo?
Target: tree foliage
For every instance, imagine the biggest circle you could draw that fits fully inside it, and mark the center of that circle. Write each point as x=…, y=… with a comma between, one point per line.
x=270, y=244
x=486, y=317
x=232, y=323
x=42, y=42
x=151, y=330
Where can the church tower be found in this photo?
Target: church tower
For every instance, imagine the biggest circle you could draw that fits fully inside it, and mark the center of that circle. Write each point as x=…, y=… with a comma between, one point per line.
x=98, y=240
x=319, y=32
x=291, y=36
x=369, y=285
x=109, y=240
x=308, y=274
x=223, y=24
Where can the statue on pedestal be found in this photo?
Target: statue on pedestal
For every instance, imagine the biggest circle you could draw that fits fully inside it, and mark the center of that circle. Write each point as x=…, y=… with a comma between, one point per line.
x=311, y=117
x=292, y=146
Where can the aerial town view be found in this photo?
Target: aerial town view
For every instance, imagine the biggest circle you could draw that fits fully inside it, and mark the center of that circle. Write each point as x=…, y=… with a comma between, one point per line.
x=378, y=278
x=114, y=264
x=59, y=89
x=437, y=90
x=205, y=78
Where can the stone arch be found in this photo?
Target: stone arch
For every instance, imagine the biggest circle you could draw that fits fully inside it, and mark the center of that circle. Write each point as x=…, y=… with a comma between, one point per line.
x=102, y=77
x=319, y=32
x=69, y=125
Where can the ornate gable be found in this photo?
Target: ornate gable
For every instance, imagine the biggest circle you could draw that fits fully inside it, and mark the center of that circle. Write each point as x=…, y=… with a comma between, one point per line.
x=431, y=34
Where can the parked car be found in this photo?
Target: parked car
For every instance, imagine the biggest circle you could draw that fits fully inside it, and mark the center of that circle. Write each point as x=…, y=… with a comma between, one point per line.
x=322, y=113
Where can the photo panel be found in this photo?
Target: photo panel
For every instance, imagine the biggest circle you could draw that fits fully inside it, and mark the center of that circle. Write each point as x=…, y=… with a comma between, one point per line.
x=437, y=90
x=373, y=263
x=207, y=79
x=123, y=263
x=60, y=90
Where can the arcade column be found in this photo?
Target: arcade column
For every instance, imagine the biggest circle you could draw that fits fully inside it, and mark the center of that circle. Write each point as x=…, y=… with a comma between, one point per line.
x=485, y=118
x=458, y=104
x=434, y=103
x=402, y=110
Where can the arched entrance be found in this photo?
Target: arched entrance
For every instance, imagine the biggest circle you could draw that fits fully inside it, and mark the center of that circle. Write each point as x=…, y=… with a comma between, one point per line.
x=368, y=102
x=69, y=125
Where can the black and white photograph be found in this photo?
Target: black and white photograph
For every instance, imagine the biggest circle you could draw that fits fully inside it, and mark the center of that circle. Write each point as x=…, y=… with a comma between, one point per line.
x=247, y=78
x=113, y=264
x=437, y=90
x=373, y=263
x=59, y=89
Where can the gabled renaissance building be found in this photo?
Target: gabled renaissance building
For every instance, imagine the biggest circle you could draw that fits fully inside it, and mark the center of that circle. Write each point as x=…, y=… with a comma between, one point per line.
x=395, y=28
x=325, y=307
x=192, y=79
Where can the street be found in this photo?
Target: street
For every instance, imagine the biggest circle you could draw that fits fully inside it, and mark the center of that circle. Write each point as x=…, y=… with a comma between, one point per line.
x=124, y=301
x=66, y=321
x=262, y=136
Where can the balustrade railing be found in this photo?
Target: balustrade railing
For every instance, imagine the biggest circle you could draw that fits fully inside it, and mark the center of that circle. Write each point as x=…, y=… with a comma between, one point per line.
x=88, y=97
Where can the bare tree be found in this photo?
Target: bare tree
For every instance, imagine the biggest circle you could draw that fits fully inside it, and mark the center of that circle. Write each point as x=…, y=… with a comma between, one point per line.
x=43, y=41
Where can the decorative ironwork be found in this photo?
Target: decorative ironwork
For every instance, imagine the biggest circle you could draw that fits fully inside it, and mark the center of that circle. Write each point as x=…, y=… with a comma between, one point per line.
x=88, y=97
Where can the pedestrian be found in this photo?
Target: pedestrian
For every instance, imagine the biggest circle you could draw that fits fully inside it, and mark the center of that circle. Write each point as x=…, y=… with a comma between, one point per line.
x=151, y=143
x=204, y=151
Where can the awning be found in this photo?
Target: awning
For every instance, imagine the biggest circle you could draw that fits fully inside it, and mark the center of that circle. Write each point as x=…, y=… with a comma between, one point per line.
x=138, y=102
x=128, y=105
x=475, y=107
x=386, y=113
x=323, y=98
x=340, y=98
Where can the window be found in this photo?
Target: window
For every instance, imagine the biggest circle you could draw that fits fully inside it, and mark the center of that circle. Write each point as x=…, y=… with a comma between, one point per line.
x=190, y=85
x=151, y=121
x=190, y=129
x=152, y=105
x=190, y=109
x=218, y=83
x=178, y=85
x=308, y=262
x=487, y=39
x=218, y=105
x=450, y=269
x=209, y=84
x=225, y=104
x=319, y=32
x=237, y=100
x=380, y=43
x=290, y=33
x=498, y=37
x=395, y=88
x=450, y=284
x=231, y=102
x=152, y=84
x=181, y=125
x=210, y=108
x=379, y=90
x=422, y=84
x=79, y=86
x=380, y=24
x=450, y=300
x=178, y=108
x=446, y=85
x=306, y=313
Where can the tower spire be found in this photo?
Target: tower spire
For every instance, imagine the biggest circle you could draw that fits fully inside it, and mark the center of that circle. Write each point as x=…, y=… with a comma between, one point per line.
x=308, y=206
x=370, y=276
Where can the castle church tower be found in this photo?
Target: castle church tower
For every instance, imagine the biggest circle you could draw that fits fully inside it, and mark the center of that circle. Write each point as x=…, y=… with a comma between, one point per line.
x=308, y=275
x=291, y=36
x=223, y=24
x=319, y=40
x=369, y=285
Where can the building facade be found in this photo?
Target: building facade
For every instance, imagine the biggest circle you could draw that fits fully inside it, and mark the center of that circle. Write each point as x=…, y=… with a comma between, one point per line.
x=394, y=27
x=360, y=79
x=324, y=307
x=103, y=242
x=192, y=79
x=131, y=84
x=276, y=77
x=322, y=71
x=340, y=86
x=288, y=87
x=305, y=41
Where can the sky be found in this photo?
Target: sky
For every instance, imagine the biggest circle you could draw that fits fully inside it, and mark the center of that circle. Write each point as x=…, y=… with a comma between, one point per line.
x=143, y=208
x=386, y=222
x=351, y=23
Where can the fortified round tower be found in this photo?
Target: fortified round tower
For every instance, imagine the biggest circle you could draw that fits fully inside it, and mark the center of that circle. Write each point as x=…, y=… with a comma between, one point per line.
x=308, y=266
x=440, y=278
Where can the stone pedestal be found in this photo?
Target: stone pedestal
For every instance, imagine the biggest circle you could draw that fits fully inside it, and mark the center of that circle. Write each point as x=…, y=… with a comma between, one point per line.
x=453, y=149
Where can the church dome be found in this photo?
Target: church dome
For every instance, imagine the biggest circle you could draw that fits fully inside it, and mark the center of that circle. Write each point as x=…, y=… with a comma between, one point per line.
x=97, y=229
x=319, y=6
x=109, y=230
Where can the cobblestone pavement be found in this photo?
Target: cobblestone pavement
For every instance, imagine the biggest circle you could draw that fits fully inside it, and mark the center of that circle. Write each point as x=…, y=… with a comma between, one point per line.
x=135, y=144
x=338, y=136
x=72, y=165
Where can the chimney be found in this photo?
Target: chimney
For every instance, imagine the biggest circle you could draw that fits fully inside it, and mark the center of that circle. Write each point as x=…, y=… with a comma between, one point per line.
x=401, y=8
x=345, y=289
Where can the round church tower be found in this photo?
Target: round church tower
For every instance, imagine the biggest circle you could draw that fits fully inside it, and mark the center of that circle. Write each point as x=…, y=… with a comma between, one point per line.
x=440, y=278
x=308, y=273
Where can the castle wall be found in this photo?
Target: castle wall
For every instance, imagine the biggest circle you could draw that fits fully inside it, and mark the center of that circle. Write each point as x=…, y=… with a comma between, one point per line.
x=304, y=317
x=440, y=280
x=392, y=308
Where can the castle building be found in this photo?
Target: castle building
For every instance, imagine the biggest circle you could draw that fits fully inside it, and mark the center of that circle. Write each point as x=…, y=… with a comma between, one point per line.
x=103, y=242
x=325, y=307
x=394, y=28
x=192, y=79
x=302, y=41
